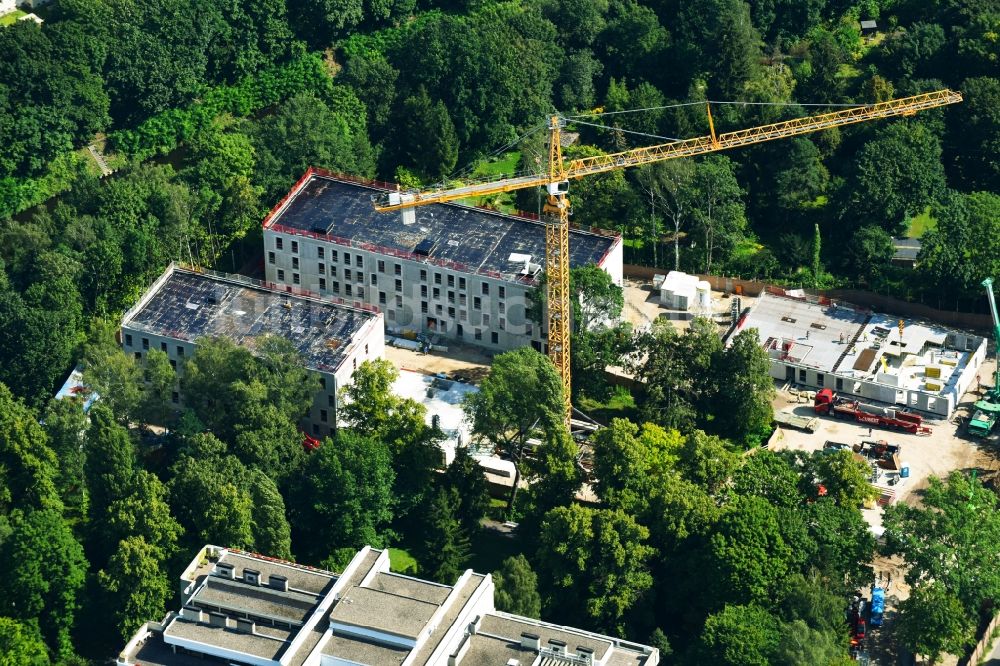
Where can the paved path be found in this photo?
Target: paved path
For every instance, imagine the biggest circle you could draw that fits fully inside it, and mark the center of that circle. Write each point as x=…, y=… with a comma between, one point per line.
x=105, y=170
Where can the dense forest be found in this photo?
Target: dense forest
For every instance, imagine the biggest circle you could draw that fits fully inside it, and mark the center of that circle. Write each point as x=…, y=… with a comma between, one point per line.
x=211, y=111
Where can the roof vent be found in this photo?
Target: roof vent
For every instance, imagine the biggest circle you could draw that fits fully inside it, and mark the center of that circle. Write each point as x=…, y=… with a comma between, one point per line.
x=557, y=646
x=277, y=582
x=531, y=641
x=225, y=570
x=251, y=576
x=218, y=620
x=244, y=626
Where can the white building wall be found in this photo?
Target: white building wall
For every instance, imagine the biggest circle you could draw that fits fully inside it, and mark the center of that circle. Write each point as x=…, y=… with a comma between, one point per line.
x=7, y=6
x=414, y=295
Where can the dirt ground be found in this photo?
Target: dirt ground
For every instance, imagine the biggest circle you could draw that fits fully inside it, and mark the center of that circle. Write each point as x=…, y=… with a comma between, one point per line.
x=642, y=304
x=459, y=362
x=947, y=448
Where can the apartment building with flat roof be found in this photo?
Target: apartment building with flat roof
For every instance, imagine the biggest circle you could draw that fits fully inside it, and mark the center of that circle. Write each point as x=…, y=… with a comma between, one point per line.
x=184, y=305
x=462, y=272
x=243, y=608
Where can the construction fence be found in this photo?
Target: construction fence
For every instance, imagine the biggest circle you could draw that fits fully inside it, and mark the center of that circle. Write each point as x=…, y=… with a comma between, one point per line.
x=858, y=297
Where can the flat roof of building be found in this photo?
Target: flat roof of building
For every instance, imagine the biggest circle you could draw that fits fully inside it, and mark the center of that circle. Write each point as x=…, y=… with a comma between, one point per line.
x=184, y=304
x=470, y=239
x=840, y=339
x=370, y=616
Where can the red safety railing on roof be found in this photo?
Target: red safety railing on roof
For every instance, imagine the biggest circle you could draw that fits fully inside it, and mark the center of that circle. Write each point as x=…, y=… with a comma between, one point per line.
x=374, y=248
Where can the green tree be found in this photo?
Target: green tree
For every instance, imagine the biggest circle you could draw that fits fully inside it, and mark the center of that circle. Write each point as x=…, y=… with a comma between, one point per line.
x=211, y=503
x=768, y=475
x=628, y=460
x=817, y=264
x=748, y=553
x=844, y=543
x=517, y=587
x=933, y=621
x=717, y=209
x=136, y=585
x=844, y=477
x=708, y=461
x=801, y=644
x=28, y=467
x=20, y=644
x=304, y=132
x=465, y=475
x=521, y=394
x=111, y=373
x=446, y=548
x=870, y=251
x=110, y=461
x=427, y=136
x=962, y=249
x=953, y=538
x=345, y=496
x=44, y=570
x=144, y=513
x=160, y=382
x=594, y=564
x=975, y=134
x=897, y=174
x=737, y=47
x=269, y=524
x=553, y=470
x=743, y=409
x=739, y=636
x=65, y=425
x=677, y=370
x=370, y=408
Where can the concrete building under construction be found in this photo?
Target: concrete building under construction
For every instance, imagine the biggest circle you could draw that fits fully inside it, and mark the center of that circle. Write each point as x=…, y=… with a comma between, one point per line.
x=818, y=343
x=243, y=608
x=461, y=272
x=185, y=305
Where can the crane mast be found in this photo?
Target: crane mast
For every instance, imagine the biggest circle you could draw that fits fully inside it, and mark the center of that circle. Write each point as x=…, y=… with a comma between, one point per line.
x=556, y=209
x=988, y=285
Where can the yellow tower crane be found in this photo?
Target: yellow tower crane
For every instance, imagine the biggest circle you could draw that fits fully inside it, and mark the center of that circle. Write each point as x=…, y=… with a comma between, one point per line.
x=556, y=209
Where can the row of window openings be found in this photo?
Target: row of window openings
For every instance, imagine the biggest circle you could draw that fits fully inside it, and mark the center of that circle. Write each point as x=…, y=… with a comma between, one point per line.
x=359, y=276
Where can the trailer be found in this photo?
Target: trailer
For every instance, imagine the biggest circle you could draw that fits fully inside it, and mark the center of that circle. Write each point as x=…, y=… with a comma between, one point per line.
x=793, y=420
x=829, y=403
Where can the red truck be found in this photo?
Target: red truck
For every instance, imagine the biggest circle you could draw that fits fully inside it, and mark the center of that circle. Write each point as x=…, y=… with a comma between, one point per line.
x=827, y=402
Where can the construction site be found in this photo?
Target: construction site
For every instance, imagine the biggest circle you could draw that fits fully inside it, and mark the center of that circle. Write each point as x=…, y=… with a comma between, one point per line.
x=818, y=343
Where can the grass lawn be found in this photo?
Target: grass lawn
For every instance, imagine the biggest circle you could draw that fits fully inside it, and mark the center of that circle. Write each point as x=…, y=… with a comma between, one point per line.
x=506, y=163
x=621, y=405
x=400, y=561
x=11, y=18
x=921, y=223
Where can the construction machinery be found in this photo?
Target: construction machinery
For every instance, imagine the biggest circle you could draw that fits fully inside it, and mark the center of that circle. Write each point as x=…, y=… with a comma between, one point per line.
x=555, y=180
x=829, y=403
x=988, y=409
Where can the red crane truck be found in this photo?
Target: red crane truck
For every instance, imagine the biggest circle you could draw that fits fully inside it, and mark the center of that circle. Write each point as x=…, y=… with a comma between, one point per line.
x=827, y=402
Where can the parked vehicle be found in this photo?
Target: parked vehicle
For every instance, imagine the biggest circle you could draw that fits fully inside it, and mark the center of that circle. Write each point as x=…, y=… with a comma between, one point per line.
x=829, y=403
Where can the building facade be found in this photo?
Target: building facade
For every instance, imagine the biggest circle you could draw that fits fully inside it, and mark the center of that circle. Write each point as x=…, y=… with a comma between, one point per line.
x=247, y=609
x=463, y=273
x=184, y=305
